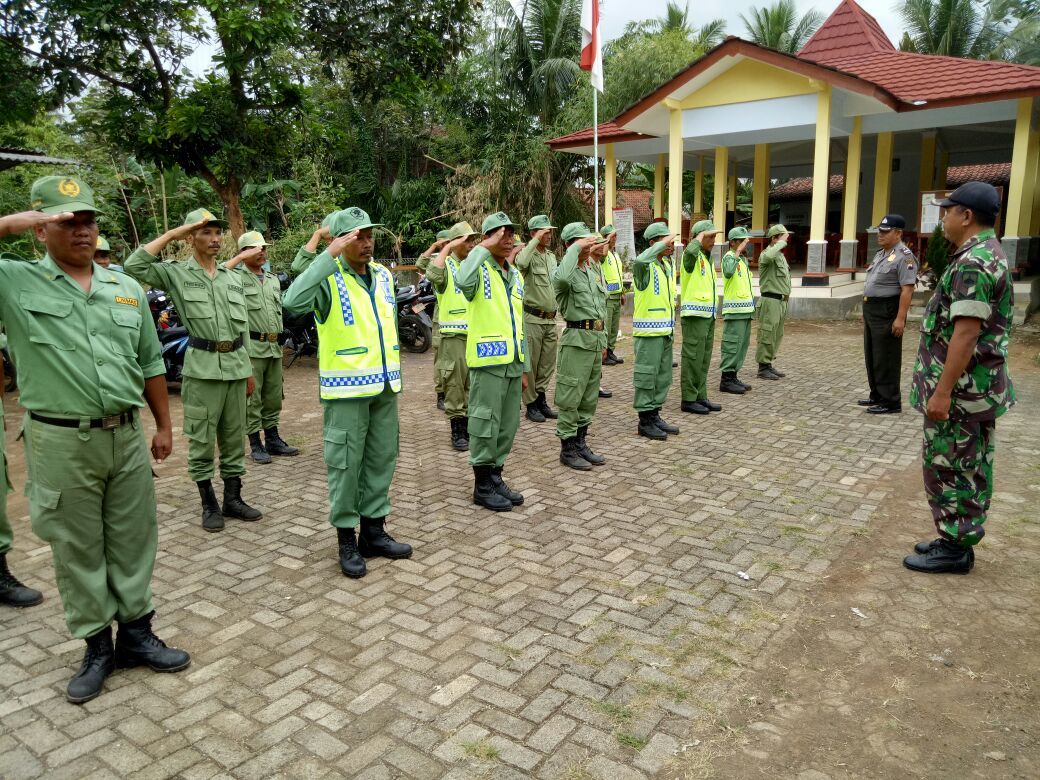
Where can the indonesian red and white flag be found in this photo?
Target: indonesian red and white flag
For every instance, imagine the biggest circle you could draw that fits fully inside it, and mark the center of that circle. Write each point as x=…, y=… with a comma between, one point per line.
x=591, y=51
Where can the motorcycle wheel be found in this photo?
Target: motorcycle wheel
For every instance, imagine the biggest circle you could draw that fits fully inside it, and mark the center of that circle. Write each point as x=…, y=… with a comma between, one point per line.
x=415, y=335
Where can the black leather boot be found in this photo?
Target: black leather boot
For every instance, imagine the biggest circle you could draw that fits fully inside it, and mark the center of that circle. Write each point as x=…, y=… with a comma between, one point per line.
x=234, y=506
x=459, y=433
x=375, y=541
x=257, y=451
x=648, y=429
x=516, y=499
x=710, y=405
x=440, y=401
x=212, y=519
x=766, y=372
x=136, y=645
x=12, y=592
x=485, y=494
x=923, y=547
x=534, y=412
x=740, y=381
x=665, y=426
x=350, y=561
x=776, y=371
x=585, y=450
x=98, y=663
x=609, y=358
x=729, y=384
x=616, y=359
x=944, y=558
x=276, y=445
x=569, y=455
x=543, y=406
x=694, y=407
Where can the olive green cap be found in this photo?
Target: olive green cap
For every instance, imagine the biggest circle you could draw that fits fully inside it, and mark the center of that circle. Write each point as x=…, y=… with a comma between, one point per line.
x=738, y=233
x=328, y=219
x=461, y=230
x=102, y=245
x=656, y=230
x=574, y=230
x=776, y=230
x=251, y=238
x=495, y=221
x=57, y=194
x=703, y=226
x=540, y=222
x=606, y=230
x=444, y=235
x=349, y=220
x=199, y=215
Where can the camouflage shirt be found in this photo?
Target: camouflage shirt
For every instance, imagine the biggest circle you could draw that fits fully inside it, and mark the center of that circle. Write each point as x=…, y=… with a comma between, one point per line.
x=976, y=284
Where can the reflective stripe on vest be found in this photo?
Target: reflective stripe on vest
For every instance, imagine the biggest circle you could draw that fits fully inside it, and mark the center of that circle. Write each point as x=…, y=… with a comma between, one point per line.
x=698, y=288
x=495, y=320
x=737, y=295
x=358, y=350
x=654, y=313
x=611, y=266
x=451, y=304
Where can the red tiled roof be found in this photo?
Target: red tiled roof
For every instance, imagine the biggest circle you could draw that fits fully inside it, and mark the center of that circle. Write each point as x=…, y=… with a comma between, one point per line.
x=608, y=131
x=637, y=200
x=992, y=173
x=802, y=187
x=848, y=31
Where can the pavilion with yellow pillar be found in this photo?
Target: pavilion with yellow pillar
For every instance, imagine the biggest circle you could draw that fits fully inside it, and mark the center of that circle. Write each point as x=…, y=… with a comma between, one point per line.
x=848, y=103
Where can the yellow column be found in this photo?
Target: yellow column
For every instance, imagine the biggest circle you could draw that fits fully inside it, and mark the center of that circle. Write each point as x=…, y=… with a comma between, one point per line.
x=718, y=215
x=675, y=171
x=821, y=165
x=760, y=189
x=1034, y=226
x=852, y=166
x=926, y=179
x=944, y=167
x=609, y=185
x=1020, y=188
x=882, y=177
x=698, y=187
x=731, y=196
x=659, y=187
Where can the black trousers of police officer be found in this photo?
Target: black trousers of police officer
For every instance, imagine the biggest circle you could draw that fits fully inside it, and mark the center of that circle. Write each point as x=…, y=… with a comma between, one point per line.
x=882, y=352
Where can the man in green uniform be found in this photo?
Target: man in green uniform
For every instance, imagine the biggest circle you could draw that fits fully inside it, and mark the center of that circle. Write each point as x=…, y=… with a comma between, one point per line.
x=305, y=254
x=774, y=283
x=961, y=381
x=450, y=362
x=738, y=306
x=697, y=314
x=423, y=264
x=263, y=295
x=537, y=263
x=653, y=328
x=359, y=379
x=496, y=356
x=88, y=357
x=612, y=276
x=218, y=376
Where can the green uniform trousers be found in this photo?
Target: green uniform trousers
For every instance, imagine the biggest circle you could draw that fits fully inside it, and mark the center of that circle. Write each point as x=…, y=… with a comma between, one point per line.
x=92, y=498
x=214, y=415
x=771, y=316
x=882, y=352
x=438, y=381
x=494, y=415
x=361, y=445
x=453, y=375
x=698, y=339
x=736, y=336
x=577, y=388
x=264, y=406
x=542, y=339
x=613, y=322
x=958, y=476
x=6, y=534
x=652, y=372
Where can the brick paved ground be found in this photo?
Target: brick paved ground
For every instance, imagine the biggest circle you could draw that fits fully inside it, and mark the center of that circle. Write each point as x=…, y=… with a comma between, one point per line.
x=587, y=634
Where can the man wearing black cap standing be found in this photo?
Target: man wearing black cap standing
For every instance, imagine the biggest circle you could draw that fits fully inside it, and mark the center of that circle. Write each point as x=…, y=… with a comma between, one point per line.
x=891, y=279
x=961, y=381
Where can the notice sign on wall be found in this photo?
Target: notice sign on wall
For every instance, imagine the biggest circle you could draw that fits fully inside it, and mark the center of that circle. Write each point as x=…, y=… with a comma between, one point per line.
x=624, y=224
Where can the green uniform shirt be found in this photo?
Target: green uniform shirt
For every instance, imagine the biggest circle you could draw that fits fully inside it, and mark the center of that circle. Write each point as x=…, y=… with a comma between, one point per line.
x=581, y=294
x=310, y=290
x=690, y=255
x=641, y=265
x=468, y=280
x=774, y=275
x=264, y=307
x=78, y=354
x=537, y=268
x=438, y=276
x=423, y=264
x=304, y=257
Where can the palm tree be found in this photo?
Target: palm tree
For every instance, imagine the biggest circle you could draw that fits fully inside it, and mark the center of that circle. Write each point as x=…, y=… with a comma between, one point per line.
x=676, y=18
x=779, y=27
x=955, y=28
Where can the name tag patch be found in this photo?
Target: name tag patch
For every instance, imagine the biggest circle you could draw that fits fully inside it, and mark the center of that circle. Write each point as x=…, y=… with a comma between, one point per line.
x=197, y=285
x=126, y=301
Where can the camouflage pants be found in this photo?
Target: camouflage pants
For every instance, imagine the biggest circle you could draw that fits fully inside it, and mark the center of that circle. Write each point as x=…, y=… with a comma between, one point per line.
x=958, y=476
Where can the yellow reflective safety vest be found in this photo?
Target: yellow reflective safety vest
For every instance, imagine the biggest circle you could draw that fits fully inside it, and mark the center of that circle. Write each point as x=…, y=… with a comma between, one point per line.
x=698, y=288
x=495, y=328
x=737, y=295
x=654, y=313
x=358, y=350
x=451, y=304
x=611, y=266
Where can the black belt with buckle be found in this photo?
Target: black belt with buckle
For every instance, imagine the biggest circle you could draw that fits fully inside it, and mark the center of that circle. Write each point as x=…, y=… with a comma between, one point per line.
x=257, y=336
x=776, y=296
x=214, y=346
x=105, y=423
x=585, y=324
x=545, y=315
x=880, y=298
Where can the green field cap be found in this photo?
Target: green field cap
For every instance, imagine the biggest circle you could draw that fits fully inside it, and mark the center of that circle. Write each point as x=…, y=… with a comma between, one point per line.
x=606, y=230
x=102, y=245
x=461, y=230
x=738, y=233
x=252, y=238
x=495, y=221
x=350, y=219
x=656, y=230
x=444, y=235
x=198, y=215
x=328, y=219
x=574, y=230
x=703, y=226
x=540, y=222
x=57, y=194
x=776, y=230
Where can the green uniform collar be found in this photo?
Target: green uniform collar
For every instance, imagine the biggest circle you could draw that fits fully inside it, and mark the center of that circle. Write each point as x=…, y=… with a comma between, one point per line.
x=54, y=271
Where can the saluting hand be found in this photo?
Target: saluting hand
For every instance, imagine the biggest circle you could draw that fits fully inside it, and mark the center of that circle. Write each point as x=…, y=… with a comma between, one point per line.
x=339, y=243
x=743, y=245
x=162, y=444
x=27, y=220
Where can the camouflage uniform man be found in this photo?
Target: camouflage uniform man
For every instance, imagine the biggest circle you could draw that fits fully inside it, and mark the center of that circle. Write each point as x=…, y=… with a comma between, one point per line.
x=774, y=283
x=536, y=264
x=423, y=264
x=961, y=380
x=613, y=277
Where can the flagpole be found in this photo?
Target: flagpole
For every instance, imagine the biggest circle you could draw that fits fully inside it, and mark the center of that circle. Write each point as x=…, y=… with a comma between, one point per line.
x=595, y=150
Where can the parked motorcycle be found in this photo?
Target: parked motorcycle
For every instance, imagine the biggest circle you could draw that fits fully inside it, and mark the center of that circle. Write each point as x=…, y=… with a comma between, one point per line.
x=415, y=316
x=10, y=374
x=173, y=337
x=300, y=335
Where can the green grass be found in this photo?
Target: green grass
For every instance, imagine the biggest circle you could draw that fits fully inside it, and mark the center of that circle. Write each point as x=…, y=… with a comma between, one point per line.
x=631, y=741
x=480, y=750
x=618, y=713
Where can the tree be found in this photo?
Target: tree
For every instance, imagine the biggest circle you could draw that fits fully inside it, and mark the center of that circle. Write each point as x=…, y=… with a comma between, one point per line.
x=779, y=27
x=1022, y=17
x=676, y=18
x=955, y=28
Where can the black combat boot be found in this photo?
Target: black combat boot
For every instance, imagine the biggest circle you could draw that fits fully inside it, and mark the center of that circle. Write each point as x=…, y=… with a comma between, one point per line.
x=375, y=541
x=742, y=382
x=276, y=445
x=694, y=407
x=729, y=384
x=776, y=371
x=543, y=406
x=440, y=401
x=710, y=405
x=534, y=412
x=212, y=519
x=98, y=663
x=648, y=429
x=616, y=359
x=12, y=592
x=485, y=494
x=585, y=450
x=234, y=506
x=923, y=547
x=136, y=645
x=942, y=557
x=350, y=561
x=257, y=451
x=765, y=371
x=569, y=455
x=516, y=499
x=665, y=426
x=609, y=358
x=459, y=433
